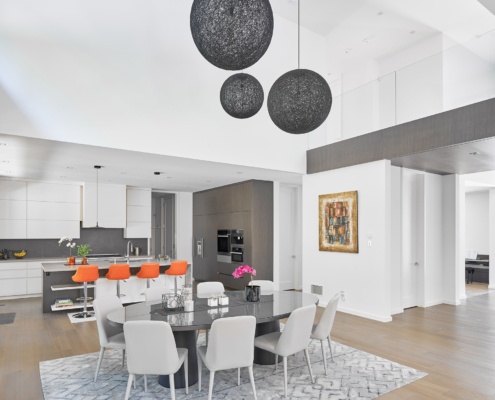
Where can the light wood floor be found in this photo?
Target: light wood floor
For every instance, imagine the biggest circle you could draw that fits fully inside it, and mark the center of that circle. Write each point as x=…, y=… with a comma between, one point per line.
x=454, y=345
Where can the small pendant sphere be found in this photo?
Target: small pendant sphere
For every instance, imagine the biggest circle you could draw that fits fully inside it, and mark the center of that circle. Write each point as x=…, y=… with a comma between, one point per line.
x=241, y=96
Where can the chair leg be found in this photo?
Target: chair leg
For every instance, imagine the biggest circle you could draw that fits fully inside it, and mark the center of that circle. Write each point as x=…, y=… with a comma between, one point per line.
x=123, y=357
x=129, y=384
x=276, y=362
x=251, y=378
x=238, y=376
x=186, y=372
x=206, y=332
x=210, y=389
x=102, y=350
x=330, y=345
x=285, y=376
x=324, y=357
x=145, y=384
x=306, y=352
x=200, y=367
x=172, y=386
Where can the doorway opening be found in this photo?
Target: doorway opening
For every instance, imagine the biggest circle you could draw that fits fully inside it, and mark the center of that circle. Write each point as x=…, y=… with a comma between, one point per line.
x=163, y=225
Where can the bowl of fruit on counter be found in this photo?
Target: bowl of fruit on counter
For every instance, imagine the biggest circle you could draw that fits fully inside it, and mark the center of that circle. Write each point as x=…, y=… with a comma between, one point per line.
x=19, y=254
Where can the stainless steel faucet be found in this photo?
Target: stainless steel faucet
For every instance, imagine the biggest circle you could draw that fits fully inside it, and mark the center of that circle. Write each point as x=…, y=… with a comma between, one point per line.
x=130, y=248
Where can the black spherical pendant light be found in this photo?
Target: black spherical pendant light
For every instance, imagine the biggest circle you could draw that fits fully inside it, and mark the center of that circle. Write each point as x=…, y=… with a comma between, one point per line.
x=241, y=96
x=232, y=34
x=299, y=101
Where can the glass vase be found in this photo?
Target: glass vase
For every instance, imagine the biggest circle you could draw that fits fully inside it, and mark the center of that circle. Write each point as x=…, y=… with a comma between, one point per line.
x=252, y=293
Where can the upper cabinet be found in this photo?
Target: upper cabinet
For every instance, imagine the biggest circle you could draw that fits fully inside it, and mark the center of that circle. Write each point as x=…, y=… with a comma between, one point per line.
x=53, y=210
x=138, y=213
x=12, y=210
x=109, y=210
x=36, y=210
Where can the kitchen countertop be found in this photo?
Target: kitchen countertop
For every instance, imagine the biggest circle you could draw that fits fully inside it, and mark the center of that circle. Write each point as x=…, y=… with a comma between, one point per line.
x=135, y=261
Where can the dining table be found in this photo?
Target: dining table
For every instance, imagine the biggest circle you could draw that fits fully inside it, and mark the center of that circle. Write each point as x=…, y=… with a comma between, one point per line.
x=268, y=311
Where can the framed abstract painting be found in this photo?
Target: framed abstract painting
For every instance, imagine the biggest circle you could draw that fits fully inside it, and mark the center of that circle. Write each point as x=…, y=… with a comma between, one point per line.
x=338, y=222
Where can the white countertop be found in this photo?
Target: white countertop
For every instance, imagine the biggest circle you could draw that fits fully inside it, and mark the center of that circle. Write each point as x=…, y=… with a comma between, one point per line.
x=61, y=266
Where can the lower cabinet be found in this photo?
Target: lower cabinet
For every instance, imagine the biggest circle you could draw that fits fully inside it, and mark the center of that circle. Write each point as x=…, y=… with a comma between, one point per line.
x=20, y=278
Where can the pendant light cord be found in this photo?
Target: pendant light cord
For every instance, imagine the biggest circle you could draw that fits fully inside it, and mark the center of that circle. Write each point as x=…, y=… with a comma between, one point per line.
x=97, y=197
x=298, y=34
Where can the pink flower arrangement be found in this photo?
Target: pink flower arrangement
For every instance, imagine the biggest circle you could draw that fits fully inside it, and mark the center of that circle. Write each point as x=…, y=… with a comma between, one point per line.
x=244, y=269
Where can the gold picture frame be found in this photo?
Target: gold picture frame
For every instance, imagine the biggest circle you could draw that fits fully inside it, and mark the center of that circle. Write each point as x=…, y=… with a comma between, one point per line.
x=338, y=222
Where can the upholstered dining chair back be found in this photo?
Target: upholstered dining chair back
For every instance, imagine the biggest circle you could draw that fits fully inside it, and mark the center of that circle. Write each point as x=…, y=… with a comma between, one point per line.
x=322, y=330
x=102, y=307
x=110, y=336
x=231, y=345
x=297, y=331
x=205, y=289
x=265, y=285
x=324, y=326
x=151, y=350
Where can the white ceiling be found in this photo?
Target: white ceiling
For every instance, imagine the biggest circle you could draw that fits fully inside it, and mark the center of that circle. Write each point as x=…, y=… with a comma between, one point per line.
x=355, y=31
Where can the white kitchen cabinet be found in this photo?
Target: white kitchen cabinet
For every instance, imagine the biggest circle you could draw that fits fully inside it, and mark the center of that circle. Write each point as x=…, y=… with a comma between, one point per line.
x=12, y=209
x=138, y=213
x=12, y=190
x=53, y=192
x=49, y=229
x=34, y=281
x=13, y=278
x=109, y=209
x=53, y=210
x=12, y=229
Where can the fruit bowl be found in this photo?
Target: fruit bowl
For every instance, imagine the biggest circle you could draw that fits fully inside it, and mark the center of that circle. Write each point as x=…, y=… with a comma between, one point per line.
x=19, y=254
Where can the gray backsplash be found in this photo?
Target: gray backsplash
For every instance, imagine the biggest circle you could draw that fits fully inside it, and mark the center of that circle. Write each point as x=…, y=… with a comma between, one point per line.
x=101, y=240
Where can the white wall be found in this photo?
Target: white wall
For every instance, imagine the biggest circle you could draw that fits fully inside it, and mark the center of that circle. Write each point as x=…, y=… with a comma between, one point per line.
x=130, y=77
x=491, y=233
x=396, y=241
x=366, y=276
x=477, y=218
x=433, y=240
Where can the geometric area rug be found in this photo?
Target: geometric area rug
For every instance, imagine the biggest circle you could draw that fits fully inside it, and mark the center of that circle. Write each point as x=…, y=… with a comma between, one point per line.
x=354, y=374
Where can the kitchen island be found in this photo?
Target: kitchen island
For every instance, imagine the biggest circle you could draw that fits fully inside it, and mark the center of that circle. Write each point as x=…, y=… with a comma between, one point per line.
x=58, y=284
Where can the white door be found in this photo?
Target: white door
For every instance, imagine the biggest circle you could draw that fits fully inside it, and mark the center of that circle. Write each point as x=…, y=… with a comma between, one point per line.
x=412, y=237
x=288, y=253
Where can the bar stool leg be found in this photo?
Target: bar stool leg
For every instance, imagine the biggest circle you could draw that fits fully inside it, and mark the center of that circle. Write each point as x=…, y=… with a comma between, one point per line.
x=84, y=313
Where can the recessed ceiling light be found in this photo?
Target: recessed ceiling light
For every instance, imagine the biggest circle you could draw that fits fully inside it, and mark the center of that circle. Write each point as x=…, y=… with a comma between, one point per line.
x=6, y=161
x=379, y=13
x=3, y=144
x=347, y=51
x=239, y=172
x=475, y=153
x=123, y=173
x=412, y=32
x=69, y=167
x=208, y=181
x=157, y=173
x=366, y=40
x=63, y=176
x=169, y=177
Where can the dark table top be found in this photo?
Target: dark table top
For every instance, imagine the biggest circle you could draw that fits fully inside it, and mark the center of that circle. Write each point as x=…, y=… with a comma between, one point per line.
x=271, y=307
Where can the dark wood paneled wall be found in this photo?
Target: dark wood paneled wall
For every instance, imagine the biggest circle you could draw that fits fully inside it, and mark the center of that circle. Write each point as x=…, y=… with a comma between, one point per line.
x=462, y=125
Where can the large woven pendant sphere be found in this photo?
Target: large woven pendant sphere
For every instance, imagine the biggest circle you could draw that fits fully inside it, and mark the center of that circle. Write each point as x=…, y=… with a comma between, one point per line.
x=232, y=34
x=241, y=96
x=299, y=101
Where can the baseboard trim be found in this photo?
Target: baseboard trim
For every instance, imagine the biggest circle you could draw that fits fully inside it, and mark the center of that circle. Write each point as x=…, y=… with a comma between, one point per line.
x=365, y=315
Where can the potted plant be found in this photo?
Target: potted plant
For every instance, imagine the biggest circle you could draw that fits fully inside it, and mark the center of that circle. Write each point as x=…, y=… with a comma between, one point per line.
x=252, y=292
x=82, y=251
x=70, y=244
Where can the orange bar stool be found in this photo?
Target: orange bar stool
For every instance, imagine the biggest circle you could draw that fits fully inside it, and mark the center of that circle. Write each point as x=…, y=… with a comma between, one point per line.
x=177, y=268
x=149, y=271
x=119, y=272
x=85, y=274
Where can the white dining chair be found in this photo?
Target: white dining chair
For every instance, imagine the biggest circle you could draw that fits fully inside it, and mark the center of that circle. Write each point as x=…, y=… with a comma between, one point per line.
x=295, y=337
x=322, y=330
x=155, y=293
x=151, y=350
x=231, y=346
x=207, y=289
x=111, y=337
x=265, y=285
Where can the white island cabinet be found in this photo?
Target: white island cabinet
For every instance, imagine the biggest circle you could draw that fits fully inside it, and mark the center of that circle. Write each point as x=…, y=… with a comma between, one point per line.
x=109, y=209
x=138, y=213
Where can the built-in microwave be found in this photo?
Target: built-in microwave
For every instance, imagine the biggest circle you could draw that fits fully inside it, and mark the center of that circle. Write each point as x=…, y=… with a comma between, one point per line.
x=237, y=254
